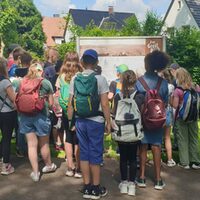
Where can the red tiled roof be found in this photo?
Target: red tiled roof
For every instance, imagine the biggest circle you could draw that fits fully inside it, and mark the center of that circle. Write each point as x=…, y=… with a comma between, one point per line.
x=53, y=27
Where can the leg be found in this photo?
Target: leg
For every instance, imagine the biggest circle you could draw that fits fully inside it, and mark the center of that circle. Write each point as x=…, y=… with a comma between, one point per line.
x=123, y=148
x=77, y=156
x=85, y=168
x=183, y=143
x=95, y=170
x=143, y=158
x=32, y=150
x=69, y=155
x=157, y=160
x=45, y=150
x=193, y=143
x=168, y=145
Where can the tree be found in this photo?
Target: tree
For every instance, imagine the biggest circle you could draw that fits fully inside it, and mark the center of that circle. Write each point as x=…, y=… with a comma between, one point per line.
x=183, y=46
x=26, y=23
x=152, y=24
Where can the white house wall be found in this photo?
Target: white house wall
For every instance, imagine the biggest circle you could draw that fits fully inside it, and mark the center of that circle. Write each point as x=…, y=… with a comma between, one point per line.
x=180, y=17
x=68, y=33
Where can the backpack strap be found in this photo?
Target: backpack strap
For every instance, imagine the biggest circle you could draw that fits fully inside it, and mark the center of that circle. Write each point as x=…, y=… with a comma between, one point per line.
x=159, y=83
x=144, y=84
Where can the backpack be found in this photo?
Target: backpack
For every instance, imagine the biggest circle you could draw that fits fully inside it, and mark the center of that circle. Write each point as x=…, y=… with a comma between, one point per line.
x=189, y=108
x=153, y=112
x=86, y=99
x=127, y=124
x=64, y=95
x=28, y=100
x=56, y=105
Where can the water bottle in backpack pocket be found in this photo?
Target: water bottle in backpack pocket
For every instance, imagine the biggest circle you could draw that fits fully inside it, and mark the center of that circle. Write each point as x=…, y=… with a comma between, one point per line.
x=127, y=124
x=189, y=108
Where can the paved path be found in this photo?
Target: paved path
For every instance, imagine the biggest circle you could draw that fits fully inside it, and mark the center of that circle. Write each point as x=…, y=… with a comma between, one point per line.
x=181, y=184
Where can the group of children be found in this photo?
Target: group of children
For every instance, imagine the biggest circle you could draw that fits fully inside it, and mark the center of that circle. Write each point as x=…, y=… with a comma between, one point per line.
x=81, y=105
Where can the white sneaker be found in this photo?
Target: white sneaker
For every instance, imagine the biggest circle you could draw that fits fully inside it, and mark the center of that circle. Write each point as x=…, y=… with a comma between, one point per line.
x=77, y=174
x=69, y=173
x=195, y=166
x=171, y=163
x=123, y=186
x=35, y=176
x=48, y=169
x=184, y=166
x=7, y=169
x=131, y=188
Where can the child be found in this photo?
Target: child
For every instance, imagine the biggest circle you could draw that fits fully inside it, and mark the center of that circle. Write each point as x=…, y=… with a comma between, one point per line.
x=187, y=134
x=87, y=91
x=128, y=150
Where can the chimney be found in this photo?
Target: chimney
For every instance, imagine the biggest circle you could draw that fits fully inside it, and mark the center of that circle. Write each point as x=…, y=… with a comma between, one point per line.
x=110, y=10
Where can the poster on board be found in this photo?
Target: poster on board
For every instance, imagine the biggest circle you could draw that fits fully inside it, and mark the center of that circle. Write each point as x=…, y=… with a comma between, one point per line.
x=114, y=51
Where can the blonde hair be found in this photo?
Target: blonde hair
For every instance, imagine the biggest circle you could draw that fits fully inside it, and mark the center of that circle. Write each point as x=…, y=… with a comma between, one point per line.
x=33, y=71
x=3, y=67
x=183, y=78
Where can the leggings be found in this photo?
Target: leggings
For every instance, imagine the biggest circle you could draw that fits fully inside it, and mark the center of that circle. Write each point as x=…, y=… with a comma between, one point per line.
x=8, y=122
x=128, y=152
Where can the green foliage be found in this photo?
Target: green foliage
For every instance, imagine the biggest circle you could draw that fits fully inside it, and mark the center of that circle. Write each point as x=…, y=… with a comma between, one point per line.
x=66, y=47
x=131, y=28
x=184, y=47
x=25, y=20
x=152, y=24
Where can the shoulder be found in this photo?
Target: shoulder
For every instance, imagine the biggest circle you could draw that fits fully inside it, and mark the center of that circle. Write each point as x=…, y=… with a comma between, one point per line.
x=6, y=83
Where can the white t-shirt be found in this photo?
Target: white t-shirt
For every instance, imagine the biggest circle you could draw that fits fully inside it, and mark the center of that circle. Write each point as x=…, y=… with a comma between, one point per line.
x=103, y=88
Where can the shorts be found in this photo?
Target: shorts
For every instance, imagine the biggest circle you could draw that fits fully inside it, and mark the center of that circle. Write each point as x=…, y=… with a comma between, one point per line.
x=169, y=116
x=71, y=137
x=38, y=124
x=90, y=136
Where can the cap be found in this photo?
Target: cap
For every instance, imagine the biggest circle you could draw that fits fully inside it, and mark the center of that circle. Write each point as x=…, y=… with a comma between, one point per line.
x=122, y=68
x=174, y=66
x=92, y=53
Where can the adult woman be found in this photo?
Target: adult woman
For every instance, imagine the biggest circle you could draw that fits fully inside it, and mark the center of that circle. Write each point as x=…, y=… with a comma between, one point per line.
x=8, y=117
x=187, y=135
x=37, y=127
x=69, y=68
x=154, y=62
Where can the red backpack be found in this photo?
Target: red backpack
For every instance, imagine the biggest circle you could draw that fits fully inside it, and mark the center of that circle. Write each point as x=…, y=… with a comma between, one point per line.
x=153, y=112
x=28, y=100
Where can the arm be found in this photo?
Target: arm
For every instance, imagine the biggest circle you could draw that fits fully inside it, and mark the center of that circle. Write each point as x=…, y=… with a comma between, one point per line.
x=11, y=94
x=106, y=110
x=175, y=102
x=70, y=110
x=50, y=100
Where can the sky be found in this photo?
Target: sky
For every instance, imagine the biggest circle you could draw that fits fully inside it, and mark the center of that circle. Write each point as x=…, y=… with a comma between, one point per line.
x=139, y=7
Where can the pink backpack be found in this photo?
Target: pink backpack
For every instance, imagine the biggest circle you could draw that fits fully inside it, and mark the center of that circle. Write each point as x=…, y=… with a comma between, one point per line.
x=28, y=100
x=153, y=112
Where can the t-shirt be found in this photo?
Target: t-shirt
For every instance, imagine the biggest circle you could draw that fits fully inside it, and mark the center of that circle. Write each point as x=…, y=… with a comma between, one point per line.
x=8, y=106
x=115, y=86
x=102, y=89
x=46, y=89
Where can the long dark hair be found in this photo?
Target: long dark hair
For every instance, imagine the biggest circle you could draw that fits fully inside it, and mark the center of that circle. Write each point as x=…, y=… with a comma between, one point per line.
x=128, y=81
x=3, y=67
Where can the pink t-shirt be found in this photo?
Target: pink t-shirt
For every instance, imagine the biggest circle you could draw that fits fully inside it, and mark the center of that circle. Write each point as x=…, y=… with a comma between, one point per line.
x=179, y=94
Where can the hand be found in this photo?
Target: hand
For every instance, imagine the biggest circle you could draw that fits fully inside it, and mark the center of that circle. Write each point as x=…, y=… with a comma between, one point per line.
x=108, y=128
x=73, y=128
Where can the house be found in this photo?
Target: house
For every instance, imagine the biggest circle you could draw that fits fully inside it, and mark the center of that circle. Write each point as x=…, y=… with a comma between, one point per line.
x=182, y=13
x=54, y=28
x=103, y=19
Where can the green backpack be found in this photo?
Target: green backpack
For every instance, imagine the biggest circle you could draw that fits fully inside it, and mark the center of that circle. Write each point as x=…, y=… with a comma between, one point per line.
x=86, y=98
x=64, y=95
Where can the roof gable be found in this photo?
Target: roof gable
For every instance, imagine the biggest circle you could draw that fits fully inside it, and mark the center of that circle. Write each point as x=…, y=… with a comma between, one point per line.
x=84, y=17
x=194, y=6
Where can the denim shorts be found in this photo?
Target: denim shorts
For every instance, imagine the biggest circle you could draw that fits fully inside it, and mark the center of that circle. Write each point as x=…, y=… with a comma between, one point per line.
x=38, y=124
x=90, y=136
x=169, y=116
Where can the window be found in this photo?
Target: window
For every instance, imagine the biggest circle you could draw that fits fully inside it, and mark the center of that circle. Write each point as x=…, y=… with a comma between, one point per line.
x=179, y=5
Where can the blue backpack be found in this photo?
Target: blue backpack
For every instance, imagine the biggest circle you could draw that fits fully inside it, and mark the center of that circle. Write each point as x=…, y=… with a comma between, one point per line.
x=189, y=109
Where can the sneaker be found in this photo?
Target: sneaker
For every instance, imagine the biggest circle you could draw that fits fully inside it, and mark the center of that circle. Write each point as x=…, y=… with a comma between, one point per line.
x=195, y=166
x=19, y=154
x=48, y=169
x=77, y=174
x=86, y=191
x=171, y=163
x=131, y=188
x=35, y=176
x=7, y=169
x=141, y=182
x=184, y=166
x=123, y=186
x=159, y=185
x=70, y=172
x=98, y=191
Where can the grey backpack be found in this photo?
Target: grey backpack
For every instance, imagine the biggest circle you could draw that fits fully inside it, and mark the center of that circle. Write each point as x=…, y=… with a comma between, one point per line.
x=127, y=124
